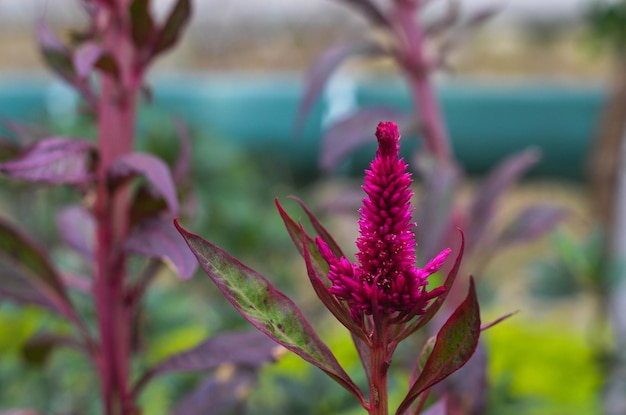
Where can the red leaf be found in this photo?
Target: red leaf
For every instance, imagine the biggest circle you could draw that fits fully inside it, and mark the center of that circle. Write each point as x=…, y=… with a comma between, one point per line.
x=317, y=267
x=267, y=308
x=456, y=342
x=56, y=160
x=323, y=68
x=158, y=238
x=155, y=171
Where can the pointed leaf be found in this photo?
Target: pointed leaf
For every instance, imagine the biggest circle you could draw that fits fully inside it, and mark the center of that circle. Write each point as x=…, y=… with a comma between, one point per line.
x=353, y=131
x=22, y=253
x=456, y=342
x=321, y=231
x=224, y=393
x=141, y=22
x=158, y=238
x=501, y=178
x=317, y=268
x=497, y=321
x=438, y=301
x=371, y=12
x=267, y=308
x=55, y=160
x=55, y=53
x=77, y=227
x=40, y=346
x=323, y=68
x=250, y=348
x=531, y=223
x=86, y=57
x=155, y=171
x=178, y=18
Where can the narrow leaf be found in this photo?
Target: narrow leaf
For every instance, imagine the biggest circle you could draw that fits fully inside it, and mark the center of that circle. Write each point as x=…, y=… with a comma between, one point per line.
x=497, y=321
x=323, y=68
x=55, y=160
x=371, y=12
x=155, y=171
x=40, y=346
x=267, y=308
x=56, y=55
x=158, y=238
x=317, y=268
x=224, y=393
x=77, y=227
x=141, y=22
x=531, y=223
x=456, y=342
x=501, y=178
x=86, y=57
x=168, y=35
x=321, y=231
x=250, y=348
x=27, y=257
x=355, y=130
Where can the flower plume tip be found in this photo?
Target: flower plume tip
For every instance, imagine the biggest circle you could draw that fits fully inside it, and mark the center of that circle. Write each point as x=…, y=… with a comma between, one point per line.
x=388, y=139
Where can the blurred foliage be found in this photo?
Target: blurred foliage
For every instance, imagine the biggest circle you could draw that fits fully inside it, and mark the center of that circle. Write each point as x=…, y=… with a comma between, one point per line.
x=536, y=368
x=608, y=24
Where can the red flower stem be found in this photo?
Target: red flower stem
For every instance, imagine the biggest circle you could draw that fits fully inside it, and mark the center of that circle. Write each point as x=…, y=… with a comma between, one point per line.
x=417, y=69
x=379, y=364
x=116, y=125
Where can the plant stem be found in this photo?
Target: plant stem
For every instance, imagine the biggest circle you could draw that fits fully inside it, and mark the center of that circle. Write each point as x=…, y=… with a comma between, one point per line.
x=378, y=385
x=417, y=68
x=116, y=124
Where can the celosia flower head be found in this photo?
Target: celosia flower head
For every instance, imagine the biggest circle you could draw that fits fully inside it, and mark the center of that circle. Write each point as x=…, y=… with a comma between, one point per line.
x=385, y=277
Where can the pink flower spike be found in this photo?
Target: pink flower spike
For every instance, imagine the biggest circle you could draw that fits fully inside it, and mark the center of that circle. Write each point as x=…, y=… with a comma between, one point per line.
x=385, y=277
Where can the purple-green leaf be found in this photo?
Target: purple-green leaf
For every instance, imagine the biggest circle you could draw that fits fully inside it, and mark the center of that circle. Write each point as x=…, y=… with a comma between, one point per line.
x=501, y=178
x=158, y=238
x=355, y=130
x=251, y=348
x=531, y=223
x=455, y=344
x=55, y=53
x=86, y=57
x=370, y=10
x=317, y=268
x=323, y=68
x=141, y=22
x=77, y=228
x=155, y=171
x=168, y=34
x=267, y=308
x=26, y=257
x=223, y=393
x=40, y=346
x=55, y=160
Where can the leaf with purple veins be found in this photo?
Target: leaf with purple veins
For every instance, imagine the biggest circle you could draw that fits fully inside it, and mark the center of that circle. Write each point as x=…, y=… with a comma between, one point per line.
x=267, y=308
x=54, y=160
x=158, y=238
